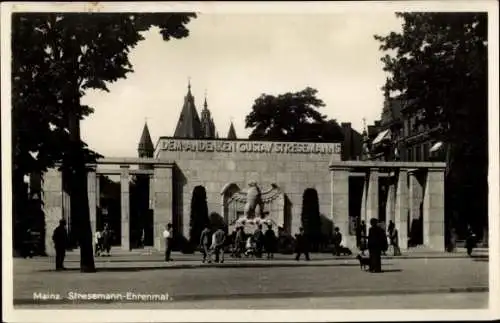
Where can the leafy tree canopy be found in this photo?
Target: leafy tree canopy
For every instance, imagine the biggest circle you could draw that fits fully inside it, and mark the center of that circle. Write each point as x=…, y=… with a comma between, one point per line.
x=56, y=57
x=291, y=116
x=440, y=68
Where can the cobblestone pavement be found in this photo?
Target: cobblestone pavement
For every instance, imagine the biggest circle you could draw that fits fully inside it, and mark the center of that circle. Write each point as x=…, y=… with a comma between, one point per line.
x=186, y=280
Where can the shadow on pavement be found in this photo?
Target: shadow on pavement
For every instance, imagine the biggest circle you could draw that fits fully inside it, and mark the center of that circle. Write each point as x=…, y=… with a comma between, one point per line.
x=221, y=266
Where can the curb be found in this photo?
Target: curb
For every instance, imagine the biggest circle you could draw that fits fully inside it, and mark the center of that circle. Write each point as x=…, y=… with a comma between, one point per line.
x=283, y=295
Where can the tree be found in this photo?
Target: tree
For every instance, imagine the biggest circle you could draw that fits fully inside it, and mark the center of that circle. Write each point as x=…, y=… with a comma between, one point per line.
x=310, y=217
x=56, y=58
x=440, y=68
x=199, y=214
x=291, y=116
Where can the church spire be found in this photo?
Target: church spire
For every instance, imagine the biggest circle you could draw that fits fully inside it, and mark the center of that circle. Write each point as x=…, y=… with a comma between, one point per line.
x=145, y=148
x=189, y=125
x=207, y=123
x=231, y=134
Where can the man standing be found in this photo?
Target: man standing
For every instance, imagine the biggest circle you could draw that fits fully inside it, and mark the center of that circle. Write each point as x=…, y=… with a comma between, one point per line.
x=302, y=246
x=239, y=242
x=205, y=244
x=258, y=237
x=377, y=242
x=269, y=241
x=106, y=239
x=168, y=236
x=337, y=241
x=393, y=238
x=60, y=239
x=219, y=238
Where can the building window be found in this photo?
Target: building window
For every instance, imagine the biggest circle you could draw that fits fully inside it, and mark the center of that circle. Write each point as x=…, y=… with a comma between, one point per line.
x=418, y=153
x=409, y=154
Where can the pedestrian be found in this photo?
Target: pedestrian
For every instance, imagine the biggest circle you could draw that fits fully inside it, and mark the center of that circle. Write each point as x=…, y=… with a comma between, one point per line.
x=453, y=240
x=169, y=238
x=98, y=243
x=270, y=242
x=106, y=237
x=470, y=241
x=363, y=237
x=218, y=242
x=60, y=239
x=239, y=242
x=258, y=237
x=205, y=240
x=393, y=238
x=377, y=242
x=302, y=245
x=337, y=241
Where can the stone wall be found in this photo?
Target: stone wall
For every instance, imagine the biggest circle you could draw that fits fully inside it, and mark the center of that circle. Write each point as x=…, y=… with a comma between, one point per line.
x=291, y=172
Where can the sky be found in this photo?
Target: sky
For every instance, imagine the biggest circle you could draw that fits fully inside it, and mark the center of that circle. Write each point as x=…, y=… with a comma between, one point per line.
x=234, y=58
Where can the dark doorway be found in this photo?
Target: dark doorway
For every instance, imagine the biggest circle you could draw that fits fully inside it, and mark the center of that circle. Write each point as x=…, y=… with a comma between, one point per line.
x=356, y=188
x=109, y=211
x=199, y=214
x=141, y=217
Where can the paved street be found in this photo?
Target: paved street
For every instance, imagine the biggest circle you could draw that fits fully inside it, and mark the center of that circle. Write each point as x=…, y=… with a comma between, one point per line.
x=250, y=282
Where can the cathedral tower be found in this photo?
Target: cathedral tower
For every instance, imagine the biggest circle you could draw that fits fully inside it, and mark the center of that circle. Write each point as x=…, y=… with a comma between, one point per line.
x=189, y=124
x=145, y=148
x=207, y=123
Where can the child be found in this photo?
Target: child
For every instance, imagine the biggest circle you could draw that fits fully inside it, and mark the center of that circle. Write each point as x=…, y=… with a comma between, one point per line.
x=249, y=247
x=98, y=243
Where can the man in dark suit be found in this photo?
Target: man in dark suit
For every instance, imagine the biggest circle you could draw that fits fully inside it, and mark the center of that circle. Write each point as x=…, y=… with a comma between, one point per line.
x=302, y=246
x=377, y=242
x=60, y=239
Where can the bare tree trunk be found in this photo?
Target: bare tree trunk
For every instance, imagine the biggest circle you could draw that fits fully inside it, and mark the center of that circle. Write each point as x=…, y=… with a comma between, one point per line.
x=79, y=196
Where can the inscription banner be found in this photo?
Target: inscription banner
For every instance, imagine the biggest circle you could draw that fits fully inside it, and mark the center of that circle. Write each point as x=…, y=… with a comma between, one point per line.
x=228, y=146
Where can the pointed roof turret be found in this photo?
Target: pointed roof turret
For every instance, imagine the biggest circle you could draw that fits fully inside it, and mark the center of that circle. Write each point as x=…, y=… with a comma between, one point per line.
x=189, y=125
x=145, y=147
x=231, y=134
x=207, y=122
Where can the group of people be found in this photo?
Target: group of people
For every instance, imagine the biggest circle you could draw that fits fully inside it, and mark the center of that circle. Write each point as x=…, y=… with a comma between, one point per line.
x=254, y=244
x=102, y=241
x=392, y=240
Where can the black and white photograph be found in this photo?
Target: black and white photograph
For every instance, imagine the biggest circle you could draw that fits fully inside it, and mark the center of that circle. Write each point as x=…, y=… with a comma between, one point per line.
x=276, y=157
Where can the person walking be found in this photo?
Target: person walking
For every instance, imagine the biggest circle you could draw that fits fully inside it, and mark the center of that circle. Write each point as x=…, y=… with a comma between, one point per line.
x=302, y=245
x=470, y=241
x=258, y=237
x=60, y=239
x=393, y=238
x=377, y=242
x=218, y=242
x=205, y=240
x=239, y=242
x=269, y=242
x=106, y=239
x=168, y=236
x=98, y=243
x=337, y=241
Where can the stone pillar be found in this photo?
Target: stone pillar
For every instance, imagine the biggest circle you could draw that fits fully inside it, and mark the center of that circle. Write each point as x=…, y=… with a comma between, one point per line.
x=125, y=207
x=372, y=196
x=163, y=202
x=98, y=191
x=92, y=195
x=391, y=202
x=52, y=206
x=415, y=195
x=340, y=204
x=363, y=199
x=401, y=208
x=433, y=218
